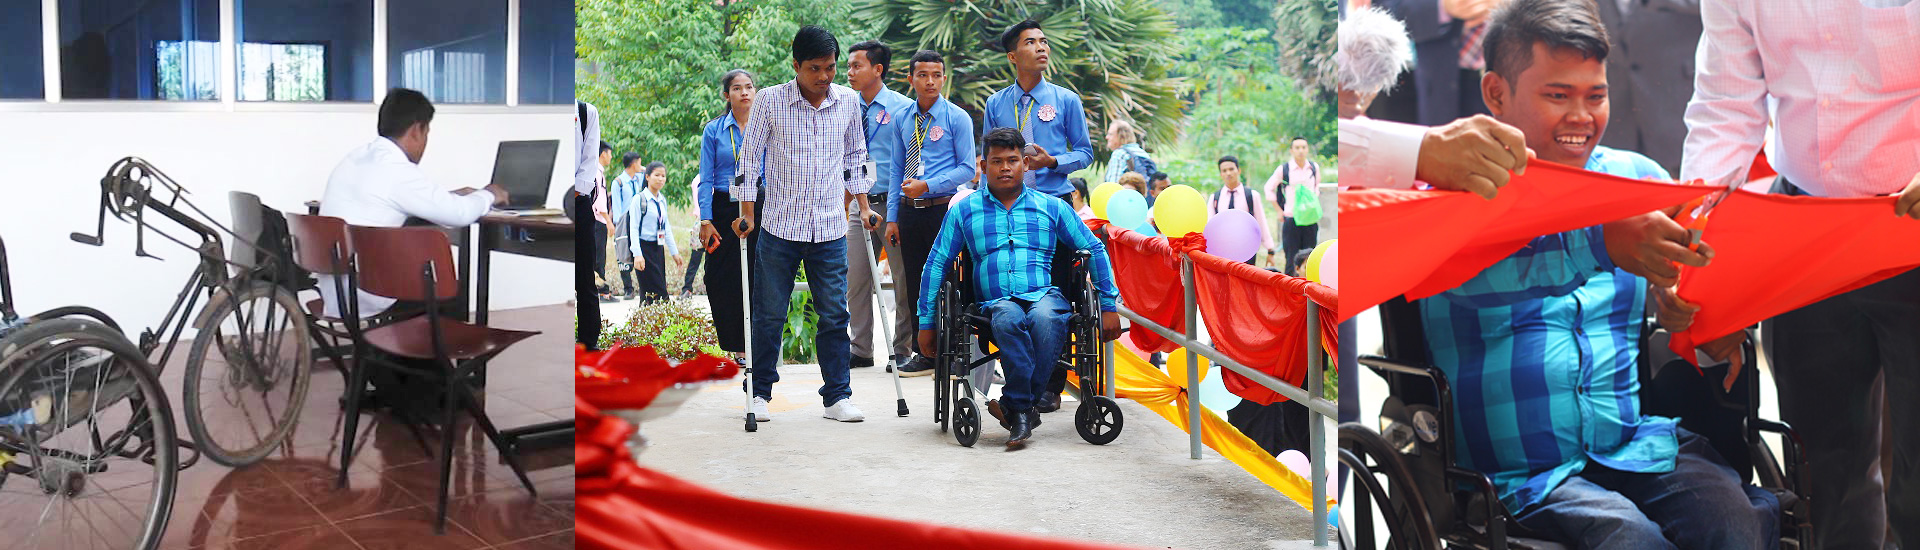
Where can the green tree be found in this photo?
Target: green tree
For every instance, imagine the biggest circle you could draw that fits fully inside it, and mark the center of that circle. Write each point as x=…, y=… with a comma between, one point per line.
x=1250, y=14
x=1193, y=14
x=1117, y=54
x=1306, y=37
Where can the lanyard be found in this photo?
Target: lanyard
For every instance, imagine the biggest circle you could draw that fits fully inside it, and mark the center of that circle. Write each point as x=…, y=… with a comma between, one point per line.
x=1021, y=119
x=733, y=136
x=918, y=140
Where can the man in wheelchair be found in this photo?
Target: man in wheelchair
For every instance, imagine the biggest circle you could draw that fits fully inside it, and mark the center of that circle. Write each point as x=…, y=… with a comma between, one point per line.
x=1010, y=232
x=1540, y=348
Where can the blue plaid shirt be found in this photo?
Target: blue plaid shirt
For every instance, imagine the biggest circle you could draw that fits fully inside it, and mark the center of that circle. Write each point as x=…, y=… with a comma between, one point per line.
x=1540, y=350
x=1012, y=249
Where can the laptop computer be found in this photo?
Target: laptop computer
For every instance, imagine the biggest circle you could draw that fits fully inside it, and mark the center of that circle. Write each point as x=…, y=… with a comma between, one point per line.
x=525, y=170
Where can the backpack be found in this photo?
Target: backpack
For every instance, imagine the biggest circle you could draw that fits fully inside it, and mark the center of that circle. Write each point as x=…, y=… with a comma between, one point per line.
x=1306, y=200
x=1142, y=164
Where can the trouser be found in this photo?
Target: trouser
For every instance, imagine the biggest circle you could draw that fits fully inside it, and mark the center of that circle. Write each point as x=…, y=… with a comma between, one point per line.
x=906, y=327
x=918, y=228
x=600, y=253
x=1826, y=358
x=860, y=284
x=587, y=316
x=652, y=278
x=1700, y=504
x=693, y=267
x=1030, y=336
x=1295, y=238
x=723, y=276
x=826, y=265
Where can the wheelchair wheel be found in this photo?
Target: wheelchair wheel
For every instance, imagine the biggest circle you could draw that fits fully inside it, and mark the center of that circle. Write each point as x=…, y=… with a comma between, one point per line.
x=966, y=422
x=1098, y=420
x=1380, y=477
x=247, y=374
x=87, y=444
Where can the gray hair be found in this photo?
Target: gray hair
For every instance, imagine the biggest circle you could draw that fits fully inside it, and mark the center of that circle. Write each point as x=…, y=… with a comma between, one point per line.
x=1374, y=50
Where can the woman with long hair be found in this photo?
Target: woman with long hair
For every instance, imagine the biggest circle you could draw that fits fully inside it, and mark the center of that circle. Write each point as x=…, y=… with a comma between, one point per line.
x=651, y=237
x=720, y=144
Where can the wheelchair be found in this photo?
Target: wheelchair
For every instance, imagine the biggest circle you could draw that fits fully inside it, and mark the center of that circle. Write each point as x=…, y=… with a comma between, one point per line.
x=961, y=325
x=1428, y=501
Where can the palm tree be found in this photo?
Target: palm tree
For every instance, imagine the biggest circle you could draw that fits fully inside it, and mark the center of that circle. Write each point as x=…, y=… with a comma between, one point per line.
x=1114, y=53
x=1305, y=31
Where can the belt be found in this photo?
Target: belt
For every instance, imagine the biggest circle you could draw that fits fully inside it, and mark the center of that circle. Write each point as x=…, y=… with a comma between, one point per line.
x=927, y=203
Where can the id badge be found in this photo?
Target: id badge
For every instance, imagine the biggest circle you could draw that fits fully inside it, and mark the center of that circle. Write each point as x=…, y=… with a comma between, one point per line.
x=920, y=172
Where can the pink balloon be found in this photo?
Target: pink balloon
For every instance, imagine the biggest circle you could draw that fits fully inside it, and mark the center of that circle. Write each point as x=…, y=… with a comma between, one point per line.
x=1330, y=266
x=1234, y=235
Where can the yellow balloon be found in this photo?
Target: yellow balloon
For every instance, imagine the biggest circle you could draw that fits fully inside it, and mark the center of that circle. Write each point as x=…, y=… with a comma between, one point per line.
x=1180, y=210
x=1099, y=199
x=1177, y=366
x=1311, y=270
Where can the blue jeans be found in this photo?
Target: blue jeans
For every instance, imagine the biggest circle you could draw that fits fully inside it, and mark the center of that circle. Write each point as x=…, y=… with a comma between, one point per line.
x=827, y=280
x=1029, y=336
x=1700, y=504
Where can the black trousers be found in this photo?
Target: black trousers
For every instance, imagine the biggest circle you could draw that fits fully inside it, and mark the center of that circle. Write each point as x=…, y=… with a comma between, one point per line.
x=918, y=228
x=1295, y=238
x=693, y=267
x=586, y=229
x=653, y=279
x=723, y=275
x=1840, y=364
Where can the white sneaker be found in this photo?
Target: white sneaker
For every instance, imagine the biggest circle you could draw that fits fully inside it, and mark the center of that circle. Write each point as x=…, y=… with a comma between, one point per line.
x=844, y=411
x=759, y=410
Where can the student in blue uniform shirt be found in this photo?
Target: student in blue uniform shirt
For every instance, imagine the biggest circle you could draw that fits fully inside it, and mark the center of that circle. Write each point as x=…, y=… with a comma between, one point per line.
x=1052, y=120
x=868, y=64
x=934, y=139
x=720, y=143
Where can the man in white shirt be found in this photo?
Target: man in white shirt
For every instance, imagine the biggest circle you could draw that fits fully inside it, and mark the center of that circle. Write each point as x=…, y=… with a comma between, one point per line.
x=587, y=172
x=380, y=184
x=1840, y=83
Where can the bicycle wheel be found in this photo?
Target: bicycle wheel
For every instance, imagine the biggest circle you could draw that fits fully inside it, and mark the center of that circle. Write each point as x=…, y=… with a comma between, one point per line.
x=247, y=374
x=90, y=458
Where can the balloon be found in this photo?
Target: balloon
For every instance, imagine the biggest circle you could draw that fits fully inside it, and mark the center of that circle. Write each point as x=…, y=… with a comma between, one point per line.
x=1295, y=460
x=1147, y=229
x=1180, y=210
x=1126, y=208
x=1330, y=265
x=1177, y=368
x=1312, y=268
x=1099, y=197
x=1233, y=235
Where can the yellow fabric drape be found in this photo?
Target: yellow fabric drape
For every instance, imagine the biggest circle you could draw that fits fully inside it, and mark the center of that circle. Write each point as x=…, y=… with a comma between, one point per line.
x=1140, y=381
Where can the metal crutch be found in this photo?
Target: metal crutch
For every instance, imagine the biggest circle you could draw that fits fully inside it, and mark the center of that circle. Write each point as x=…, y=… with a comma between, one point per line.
x=886, y=312
x=746, y=316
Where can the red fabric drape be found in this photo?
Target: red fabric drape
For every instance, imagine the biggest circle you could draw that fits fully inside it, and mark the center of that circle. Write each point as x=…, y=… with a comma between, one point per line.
x=1259, y=318
x=1776, y=253
x=1420, y=243
x=629, y=378
x=625, y=506
x=1147, y=271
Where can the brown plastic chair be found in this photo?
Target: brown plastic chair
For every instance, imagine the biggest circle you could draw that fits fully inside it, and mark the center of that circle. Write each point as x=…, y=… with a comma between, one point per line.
x=416, y=264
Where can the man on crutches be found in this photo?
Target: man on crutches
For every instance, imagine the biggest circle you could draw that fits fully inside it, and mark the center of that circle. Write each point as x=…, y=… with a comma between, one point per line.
x=810, y=133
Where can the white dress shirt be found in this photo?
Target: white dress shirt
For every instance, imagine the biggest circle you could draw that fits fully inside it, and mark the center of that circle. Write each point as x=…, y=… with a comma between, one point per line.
x=806, y=151
x=587, y=163
x=1380, y=154
x=648, y=212
x=376, y=186
x=1839, y=80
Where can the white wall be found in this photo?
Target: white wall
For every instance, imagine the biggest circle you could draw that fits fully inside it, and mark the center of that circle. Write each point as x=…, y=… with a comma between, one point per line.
x=51, y=163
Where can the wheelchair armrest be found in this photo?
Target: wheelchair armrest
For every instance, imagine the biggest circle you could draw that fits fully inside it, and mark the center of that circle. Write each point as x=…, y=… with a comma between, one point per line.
x=1496, y=512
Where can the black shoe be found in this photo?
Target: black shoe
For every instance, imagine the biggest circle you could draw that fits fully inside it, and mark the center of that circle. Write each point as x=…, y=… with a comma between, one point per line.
x=859, y=362
x=1019, y=431
x=1033, y=419
x=1047, y=404
x=993, y=408
x=919, y=366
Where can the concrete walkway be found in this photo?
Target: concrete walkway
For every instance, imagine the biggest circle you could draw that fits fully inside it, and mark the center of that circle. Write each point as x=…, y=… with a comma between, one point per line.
x=1139, y=490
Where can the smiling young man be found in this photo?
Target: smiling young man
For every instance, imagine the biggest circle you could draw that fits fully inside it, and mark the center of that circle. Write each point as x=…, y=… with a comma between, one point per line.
x=1540, y=348
x=1010, y=232
x=935, y=141
x=809, y=130
x=1051, y=119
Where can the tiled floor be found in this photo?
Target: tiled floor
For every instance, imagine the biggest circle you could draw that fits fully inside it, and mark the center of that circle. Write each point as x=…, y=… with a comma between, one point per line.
x=290, y=502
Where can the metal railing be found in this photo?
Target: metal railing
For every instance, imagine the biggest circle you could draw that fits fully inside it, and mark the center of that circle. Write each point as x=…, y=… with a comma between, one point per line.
x=1313, y=396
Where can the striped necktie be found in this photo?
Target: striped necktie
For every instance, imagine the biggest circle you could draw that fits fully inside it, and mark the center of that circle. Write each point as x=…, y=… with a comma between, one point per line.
x=1026, y=128
x=912, y=165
